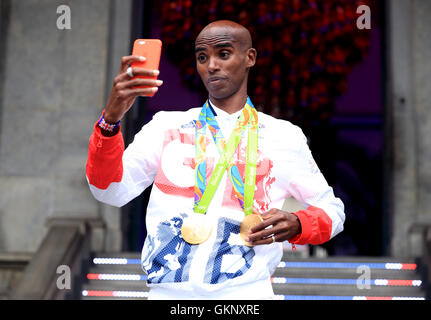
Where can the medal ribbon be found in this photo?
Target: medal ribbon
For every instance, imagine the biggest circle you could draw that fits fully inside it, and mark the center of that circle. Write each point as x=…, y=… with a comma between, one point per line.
x=244, y=191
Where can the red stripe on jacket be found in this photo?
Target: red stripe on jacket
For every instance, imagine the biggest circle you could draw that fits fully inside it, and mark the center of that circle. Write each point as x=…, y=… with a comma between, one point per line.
x=104, y=163
x=316, y=226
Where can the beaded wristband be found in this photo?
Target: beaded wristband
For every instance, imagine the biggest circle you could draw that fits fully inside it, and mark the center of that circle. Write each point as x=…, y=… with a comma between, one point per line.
x=107, y=126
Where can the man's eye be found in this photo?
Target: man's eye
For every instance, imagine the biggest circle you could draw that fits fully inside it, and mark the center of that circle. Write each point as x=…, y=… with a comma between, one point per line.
x=201, y=58
x=224, y=54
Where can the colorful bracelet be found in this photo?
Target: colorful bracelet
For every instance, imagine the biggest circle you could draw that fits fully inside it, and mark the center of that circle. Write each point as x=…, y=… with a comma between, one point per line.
x=107, y=126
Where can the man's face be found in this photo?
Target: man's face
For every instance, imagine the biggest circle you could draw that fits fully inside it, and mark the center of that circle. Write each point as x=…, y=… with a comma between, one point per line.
x=221, y=62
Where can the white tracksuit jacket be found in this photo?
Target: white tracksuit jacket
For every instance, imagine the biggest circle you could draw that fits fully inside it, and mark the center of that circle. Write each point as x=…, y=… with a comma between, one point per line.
x=222, y=267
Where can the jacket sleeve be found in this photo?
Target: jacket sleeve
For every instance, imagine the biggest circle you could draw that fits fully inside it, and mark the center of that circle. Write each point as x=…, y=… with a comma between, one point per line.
x=323, y=216
x=115, y=175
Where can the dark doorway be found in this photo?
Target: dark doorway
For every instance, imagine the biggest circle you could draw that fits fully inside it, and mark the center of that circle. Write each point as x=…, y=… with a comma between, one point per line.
x=348, y=147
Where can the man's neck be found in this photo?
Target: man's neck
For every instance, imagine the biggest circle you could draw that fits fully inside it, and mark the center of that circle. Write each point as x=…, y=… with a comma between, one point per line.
x=230, y=105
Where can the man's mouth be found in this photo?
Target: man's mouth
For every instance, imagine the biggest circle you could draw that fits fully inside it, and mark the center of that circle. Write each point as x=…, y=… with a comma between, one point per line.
x=215, y=80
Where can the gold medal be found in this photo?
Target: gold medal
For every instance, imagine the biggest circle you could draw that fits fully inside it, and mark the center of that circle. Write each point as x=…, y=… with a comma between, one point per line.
x=249, y=222
x=196, y=228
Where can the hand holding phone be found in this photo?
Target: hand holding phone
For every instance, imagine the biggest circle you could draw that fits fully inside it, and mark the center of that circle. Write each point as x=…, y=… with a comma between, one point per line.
x=140, y=80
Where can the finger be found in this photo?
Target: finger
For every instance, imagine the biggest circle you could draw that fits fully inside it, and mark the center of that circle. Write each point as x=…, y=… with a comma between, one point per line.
x=128, y=93
x=278, y=237
x=270, y=213
x=124, y=76
x=265, y=223
x=137, y=82
x=276, y=229
x=262, y=241
x=138, y=71
x=259, y=236
x=127, y=60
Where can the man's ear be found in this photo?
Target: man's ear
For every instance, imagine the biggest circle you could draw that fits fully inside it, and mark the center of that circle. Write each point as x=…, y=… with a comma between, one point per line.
x=251, y=56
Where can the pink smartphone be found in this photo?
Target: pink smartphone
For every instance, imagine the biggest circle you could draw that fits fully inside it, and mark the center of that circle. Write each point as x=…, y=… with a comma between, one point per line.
x=151, y=49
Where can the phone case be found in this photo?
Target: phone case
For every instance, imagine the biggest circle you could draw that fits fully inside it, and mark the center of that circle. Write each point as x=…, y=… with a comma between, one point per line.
x=151, y=49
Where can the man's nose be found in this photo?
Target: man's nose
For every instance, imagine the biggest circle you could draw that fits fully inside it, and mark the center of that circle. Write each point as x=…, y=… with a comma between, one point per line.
x=213, y=65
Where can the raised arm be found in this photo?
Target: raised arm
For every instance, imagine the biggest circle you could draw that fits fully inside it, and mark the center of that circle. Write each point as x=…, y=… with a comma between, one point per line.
x=109, y=179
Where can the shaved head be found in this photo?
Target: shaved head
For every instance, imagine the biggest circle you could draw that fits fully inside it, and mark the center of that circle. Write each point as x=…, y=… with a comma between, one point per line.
x=227, y=30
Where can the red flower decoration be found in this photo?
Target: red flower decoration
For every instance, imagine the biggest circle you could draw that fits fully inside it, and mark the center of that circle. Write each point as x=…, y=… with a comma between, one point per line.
x=306, y=49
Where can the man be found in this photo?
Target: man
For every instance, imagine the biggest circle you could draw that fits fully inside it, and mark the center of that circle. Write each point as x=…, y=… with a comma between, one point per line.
x=221, y=174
